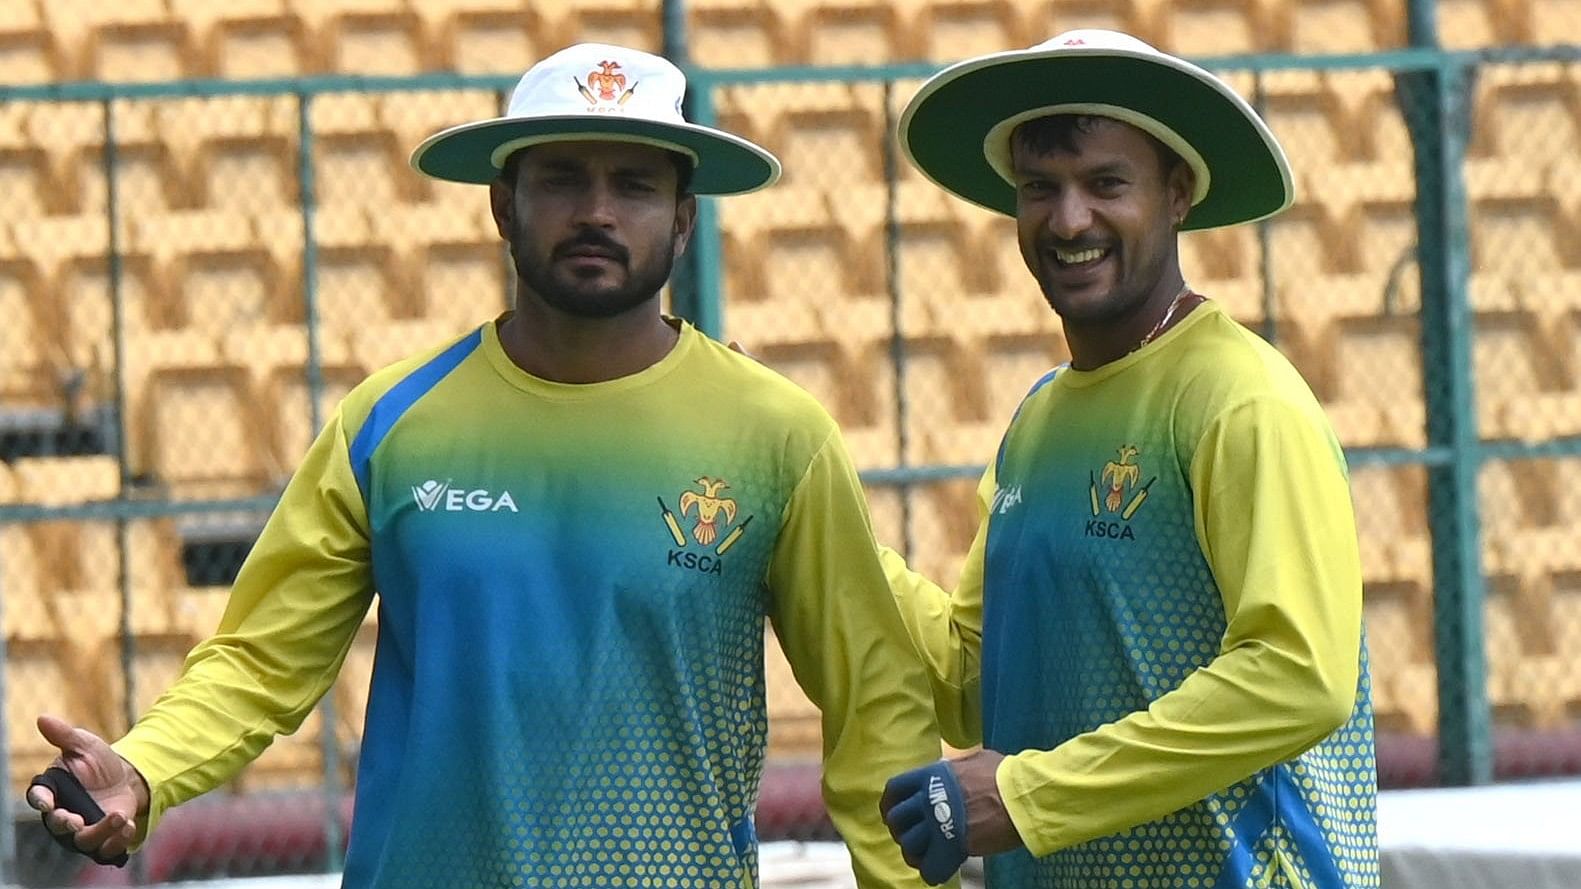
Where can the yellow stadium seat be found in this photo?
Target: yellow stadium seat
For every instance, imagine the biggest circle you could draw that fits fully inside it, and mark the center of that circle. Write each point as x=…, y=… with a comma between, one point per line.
x=243, y=38
x=203, y=429
x=64, y=481
x=634, y=23
x=1553, y=22
x=1337, y=26
x=947, y=30
x=1228, y=26
x=43, y=677
x=376, y=346
x=27, y=45
x=738, y=34
x=22, y=583
x=486, y=36
x=126, y=40
x=23, y=340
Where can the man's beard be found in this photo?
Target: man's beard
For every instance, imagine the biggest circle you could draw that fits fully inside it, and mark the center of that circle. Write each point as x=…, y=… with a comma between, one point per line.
x=585, y=299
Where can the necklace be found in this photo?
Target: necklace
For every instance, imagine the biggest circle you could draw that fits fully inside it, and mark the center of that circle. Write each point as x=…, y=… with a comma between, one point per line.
x=1174, y=304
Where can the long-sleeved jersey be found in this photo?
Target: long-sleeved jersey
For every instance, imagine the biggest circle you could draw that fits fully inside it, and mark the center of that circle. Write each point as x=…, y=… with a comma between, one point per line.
x=571, y=583
x=1159, y=623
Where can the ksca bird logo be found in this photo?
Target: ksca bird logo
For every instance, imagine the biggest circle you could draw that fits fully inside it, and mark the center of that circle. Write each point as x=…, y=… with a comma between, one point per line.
x=708, y=504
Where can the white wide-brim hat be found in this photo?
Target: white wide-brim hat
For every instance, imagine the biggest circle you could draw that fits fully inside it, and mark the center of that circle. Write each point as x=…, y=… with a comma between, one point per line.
x=598, y=92
x=957, y=128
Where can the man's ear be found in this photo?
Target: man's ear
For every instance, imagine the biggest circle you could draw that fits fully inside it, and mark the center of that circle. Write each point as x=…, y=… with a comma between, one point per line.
x=685, y=222
x=1181, y=186
x=502, y=202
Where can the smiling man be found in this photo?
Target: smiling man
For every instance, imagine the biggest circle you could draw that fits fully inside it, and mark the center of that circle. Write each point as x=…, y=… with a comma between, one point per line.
x=1157, y=635
x=574, y=519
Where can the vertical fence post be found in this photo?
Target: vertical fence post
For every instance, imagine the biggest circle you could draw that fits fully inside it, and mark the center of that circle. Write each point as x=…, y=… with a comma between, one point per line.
x=1436, y=106
x=307, y=187
x=897, y=337
x=114, y=274
x=702, y=302
x=694, y=290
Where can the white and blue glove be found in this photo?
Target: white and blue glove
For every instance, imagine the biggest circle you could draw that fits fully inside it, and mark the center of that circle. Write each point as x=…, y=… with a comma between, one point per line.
x=926, y=815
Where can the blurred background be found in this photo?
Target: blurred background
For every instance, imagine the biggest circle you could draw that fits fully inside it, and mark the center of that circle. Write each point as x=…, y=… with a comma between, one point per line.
x=210, y=233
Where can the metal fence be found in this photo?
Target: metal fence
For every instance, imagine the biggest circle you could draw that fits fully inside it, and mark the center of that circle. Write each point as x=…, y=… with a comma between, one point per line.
x=192, y=272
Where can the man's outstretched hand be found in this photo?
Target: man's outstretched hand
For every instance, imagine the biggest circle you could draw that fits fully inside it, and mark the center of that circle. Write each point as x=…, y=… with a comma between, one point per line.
x=108, y=779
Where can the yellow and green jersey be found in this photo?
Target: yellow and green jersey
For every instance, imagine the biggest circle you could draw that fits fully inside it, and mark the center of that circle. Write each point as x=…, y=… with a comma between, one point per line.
x=572, y=583
x=1159, y=622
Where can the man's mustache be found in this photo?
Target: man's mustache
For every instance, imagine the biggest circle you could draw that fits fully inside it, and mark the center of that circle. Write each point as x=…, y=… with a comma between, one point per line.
x=595, y=240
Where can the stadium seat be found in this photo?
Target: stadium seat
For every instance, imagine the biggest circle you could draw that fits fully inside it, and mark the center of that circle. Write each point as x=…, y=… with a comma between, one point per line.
x=1338, y=26
x=634, y=23
x=363, y=36
x=739, y=34
x=1553, y=23
x=947, y=30
x=1404, y=681
x=944, y=519
x=127, y=40
x=22, y=584
x=356, y=157
x=829, y=135
x=1464, y=24
x=1229, y=26
x=237, y=153
x=202, y=428
x=487, y=36
x=242, y=39
x=414, y=116
x=64, y=481
x=27, y=45
x=848, y=32
x=46, y=676
x=1140, y=18
x=376, y=346
x=23, y=378
x=209, y=269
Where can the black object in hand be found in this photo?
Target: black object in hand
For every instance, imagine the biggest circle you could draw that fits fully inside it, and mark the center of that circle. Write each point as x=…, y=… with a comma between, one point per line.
x=73, y=797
